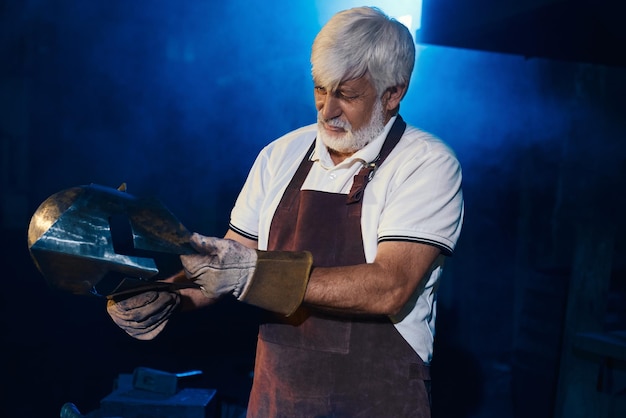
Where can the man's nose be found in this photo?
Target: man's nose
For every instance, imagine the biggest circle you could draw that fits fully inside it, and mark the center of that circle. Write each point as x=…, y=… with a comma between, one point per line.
x=330, y=107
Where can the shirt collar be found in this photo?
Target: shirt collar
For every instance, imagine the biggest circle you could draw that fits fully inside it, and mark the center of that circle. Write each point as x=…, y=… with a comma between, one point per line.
x=367, y=154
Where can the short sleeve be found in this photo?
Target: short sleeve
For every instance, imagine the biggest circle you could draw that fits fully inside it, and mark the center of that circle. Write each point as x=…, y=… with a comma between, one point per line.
x=245, y=214
x=424, y=200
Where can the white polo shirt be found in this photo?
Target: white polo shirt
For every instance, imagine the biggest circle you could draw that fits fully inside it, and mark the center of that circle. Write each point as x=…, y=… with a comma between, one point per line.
x=415, y=196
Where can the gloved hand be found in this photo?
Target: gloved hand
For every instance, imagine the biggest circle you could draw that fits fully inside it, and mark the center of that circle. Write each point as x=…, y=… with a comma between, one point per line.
x=144, y=316
x=222, y=266
x=272, y=280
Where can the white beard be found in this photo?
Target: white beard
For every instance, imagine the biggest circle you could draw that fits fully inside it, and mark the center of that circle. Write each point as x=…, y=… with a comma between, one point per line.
x=352, y=141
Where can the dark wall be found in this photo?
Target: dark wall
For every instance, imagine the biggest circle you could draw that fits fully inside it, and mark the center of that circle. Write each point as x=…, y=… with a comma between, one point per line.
x=571, y=30
x=176, y=99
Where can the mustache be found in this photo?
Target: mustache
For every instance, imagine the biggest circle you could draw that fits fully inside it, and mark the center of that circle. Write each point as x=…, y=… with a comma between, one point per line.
x=336, y=123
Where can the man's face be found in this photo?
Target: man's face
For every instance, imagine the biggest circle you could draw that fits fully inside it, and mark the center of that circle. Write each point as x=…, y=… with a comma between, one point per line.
x=350, y=116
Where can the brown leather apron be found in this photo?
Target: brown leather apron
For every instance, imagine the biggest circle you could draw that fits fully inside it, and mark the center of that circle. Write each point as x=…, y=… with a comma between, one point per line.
x=318, y=365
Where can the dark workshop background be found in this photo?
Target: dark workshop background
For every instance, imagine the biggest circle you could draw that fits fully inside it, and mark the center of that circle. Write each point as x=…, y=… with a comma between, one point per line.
x=175, y=98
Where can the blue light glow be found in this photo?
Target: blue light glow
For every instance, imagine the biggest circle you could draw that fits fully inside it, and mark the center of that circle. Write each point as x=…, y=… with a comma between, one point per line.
x=407, y=12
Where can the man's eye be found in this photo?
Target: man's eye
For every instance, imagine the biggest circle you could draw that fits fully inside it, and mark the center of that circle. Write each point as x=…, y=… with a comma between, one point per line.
x=320, y=90
x=345, y=96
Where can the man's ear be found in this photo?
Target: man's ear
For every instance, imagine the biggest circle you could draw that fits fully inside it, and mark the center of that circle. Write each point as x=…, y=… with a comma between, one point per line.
x=393, y=95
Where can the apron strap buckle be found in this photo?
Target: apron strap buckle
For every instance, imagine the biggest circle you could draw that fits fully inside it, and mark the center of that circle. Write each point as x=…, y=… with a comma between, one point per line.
x=360, y=181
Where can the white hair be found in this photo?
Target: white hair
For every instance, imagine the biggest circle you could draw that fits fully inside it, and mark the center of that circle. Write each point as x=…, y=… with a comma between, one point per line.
x=363, y=41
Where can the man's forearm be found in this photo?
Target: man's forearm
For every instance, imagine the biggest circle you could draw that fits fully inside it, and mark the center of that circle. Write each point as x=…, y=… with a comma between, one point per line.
x=379, y=288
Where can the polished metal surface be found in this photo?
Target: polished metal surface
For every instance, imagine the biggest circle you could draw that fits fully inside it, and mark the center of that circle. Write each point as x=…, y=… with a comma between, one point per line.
x=100, y=240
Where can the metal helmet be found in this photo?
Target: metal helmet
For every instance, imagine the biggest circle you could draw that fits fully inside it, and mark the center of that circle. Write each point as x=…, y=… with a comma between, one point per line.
x=100, y=240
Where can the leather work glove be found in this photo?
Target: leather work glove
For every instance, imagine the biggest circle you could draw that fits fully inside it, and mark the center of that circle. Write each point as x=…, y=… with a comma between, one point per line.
x=221, y=266
x=143, y=316
x=273, y=280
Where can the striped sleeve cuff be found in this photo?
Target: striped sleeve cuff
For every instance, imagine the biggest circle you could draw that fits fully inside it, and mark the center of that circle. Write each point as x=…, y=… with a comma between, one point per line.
x=445, y=249
x=242, y=232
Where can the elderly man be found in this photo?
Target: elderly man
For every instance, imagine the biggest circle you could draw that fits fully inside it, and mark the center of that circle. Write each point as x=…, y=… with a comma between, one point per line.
x=341, y=230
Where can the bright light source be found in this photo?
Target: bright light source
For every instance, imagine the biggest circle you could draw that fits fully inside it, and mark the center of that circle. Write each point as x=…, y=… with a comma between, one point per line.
x=407, y=12
x=406, y=20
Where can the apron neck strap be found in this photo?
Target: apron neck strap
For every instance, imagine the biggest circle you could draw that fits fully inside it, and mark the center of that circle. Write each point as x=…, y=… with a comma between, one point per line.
x=367, y=172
